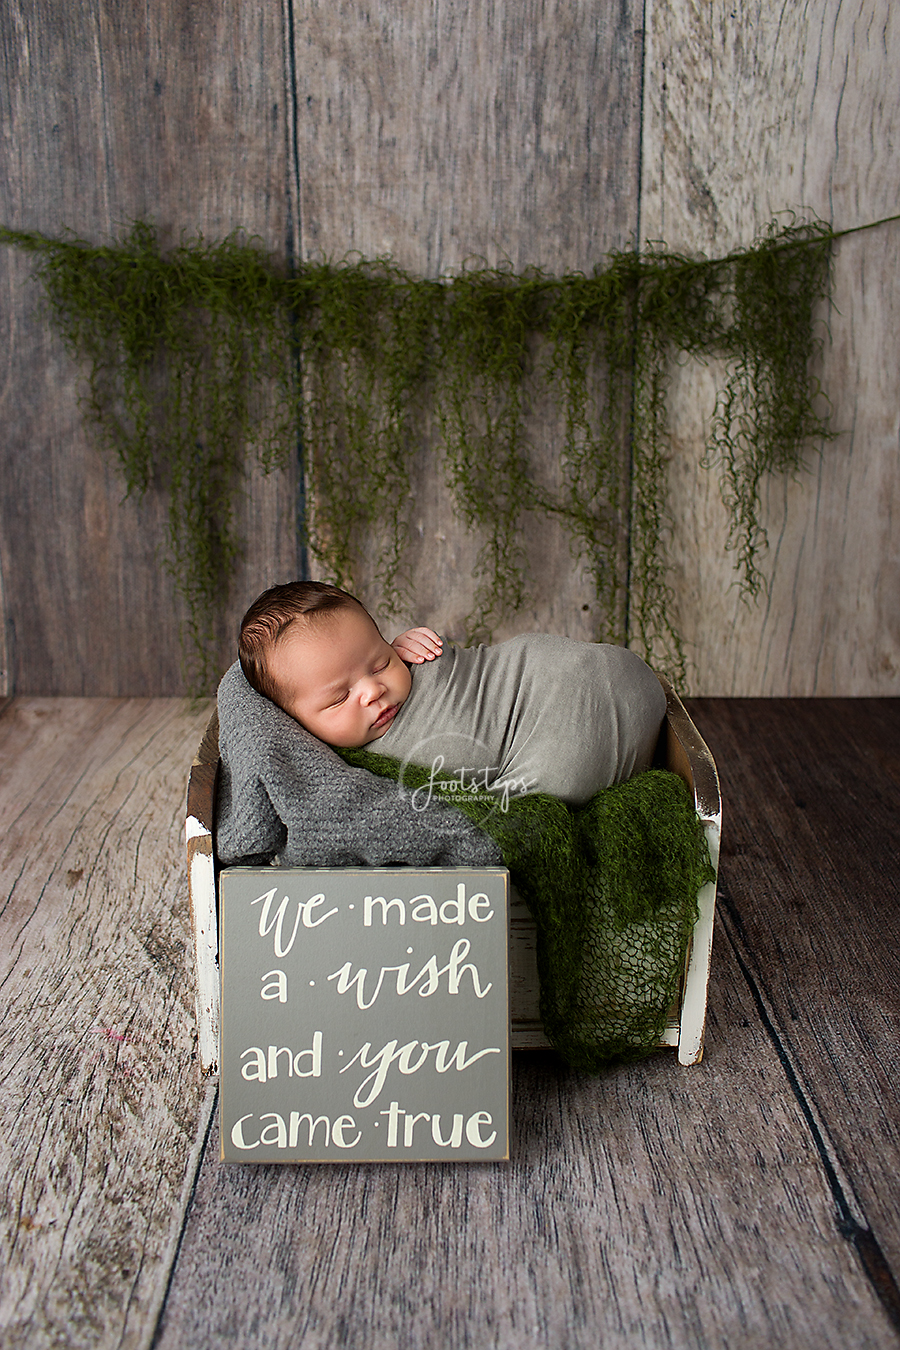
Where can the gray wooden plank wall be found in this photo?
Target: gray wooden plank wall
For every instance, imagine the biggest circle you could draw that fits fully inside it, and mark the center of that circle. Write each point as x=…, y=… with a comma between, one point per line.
x=750, y=108
x=543, y=133
x=498, y=130
x=173, y=111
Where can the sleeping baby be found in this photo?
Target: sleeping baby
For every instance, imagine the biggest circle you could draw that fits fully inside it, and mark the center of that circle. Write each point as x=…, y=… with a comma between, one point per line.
x=537, y=713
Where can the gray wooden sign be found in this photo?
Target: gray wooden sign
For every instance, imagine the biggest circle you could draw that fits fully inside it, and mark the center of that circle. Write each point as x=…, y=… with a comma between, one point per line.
x=365, y=1015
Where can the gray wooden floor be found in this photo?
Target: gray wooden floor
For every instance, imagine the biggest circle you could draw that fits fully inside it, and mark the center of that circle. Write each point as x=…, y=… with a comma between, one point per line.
x=751, y=1201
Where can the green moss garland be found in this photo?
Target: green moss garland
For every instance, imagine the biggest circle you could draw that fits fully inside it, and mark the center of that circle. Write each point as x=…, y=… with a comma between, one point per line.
x=192, y=372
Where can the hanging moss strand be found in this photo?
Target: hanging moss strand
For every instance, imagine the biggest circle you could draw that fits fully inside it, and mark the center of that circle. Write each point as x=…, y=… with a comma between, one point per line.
x=772, y=409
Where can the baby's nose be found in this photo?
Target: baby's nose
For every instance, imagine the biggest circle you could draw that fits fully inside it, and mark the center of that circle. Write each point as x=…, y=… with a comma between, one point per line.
x=373, y=688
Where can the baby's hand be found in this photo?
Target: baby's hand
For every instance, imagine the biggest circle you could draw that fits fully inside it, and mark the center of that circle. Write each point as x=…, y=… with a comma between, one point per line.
x=417, y=645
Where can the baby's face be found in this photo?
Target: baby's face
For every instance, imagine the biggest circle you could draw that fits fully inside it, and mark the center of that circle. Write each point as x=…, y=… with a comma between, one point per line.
x=339, y=678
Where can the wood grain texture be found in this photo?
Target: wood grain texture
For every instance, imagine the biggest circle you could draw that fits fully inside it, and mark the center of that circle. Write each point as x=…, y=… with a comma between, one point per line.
x=442, y=132
x=751, y=109
x=4, y=654
x=100, y=1097
x=751, y=1201
x=811, y=905
x=439, y=131
x=654, y=1206
x=175, y=112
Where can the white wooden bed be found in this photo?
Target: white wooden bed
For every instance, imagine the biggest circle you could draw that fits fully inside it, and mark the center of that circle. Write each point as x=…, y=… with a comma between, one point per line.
x=681, y=749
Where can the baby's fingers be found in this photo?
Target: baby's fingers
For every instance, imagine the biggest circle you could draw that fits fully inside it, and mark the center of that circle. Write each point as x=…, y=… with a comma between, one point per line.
x=427, y=638
x=408, y=650
x=418, y=645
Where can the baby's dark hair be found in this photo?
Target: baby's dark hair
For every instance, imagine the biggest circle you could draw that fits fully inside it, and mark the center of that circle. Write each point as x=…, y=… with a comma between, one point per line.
x=271, y=615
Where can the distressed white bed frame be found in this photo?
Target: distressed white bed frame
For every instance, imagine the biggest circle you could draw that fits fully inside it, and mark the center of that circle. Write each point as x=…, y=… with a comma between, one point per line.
x=681, y=749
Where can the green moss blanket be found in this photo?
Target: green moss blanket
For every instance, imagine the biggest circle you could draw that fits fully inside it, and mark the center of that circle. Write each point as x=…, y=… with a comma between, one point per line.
x=612, y=886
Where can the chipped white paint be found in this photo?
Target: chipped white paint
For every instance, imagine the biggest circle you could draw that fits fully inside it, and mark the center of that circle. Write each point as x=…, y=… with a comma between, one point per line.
x=696, y=979
x=202, y=882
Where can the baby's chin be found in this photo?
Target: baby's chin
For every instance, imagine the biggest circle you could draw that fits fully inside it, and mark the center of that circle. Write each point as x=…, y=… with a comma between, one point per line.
x=373, y=736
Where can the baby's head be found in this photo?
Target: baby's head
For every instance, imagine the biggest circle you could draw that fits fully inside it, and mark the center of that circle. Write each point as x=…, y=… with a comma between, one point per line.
x=316, y=652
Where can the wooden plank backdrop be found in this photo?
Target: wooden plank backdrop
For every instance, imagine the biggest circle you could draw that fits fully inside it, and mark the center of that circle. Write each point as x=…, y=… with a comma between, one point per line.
x=518, y=139
x=494, y=131
x=751, y=108
x=539, y=133
x=441, y=132
x=175, y=112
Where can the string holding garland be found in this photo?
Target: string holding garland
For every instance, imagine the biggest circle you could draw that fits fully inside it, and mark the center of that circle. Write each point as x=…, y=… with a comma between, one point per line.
x=193, y=360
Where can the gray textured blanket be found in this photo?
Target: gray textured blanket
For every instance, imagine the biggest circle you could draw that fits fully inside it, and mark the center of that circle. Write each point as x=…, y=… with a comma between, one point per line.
x=285, y=795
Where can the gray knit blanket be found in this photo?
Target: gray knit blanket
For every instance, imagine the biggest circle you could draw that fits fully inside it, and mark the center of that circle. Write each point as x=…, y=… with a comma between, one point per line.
x=283, y=796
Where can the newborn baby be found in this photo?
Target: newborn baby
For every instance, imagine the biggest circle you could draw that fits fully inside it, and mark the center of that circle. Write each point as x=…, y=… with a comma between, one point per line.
x=535, y=714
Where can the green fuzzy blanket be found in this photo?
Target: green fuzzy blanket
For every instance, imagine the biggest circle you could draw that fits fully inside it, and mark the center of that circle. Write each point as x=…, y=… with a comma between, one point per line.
x=612, y=886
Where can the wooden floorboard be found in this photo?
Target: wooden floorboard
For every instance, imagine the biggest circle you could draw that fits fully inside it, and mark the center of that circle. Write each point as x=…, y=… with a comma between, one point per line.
x=100, y=1098
x=810, y=901
x=751, y=1201
x=655, y=1206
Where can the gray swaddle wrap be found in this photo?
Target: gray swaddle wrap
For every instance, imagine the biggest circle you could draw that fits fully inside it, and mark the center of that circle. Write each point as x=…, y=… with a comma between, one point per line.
x=535, y=714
